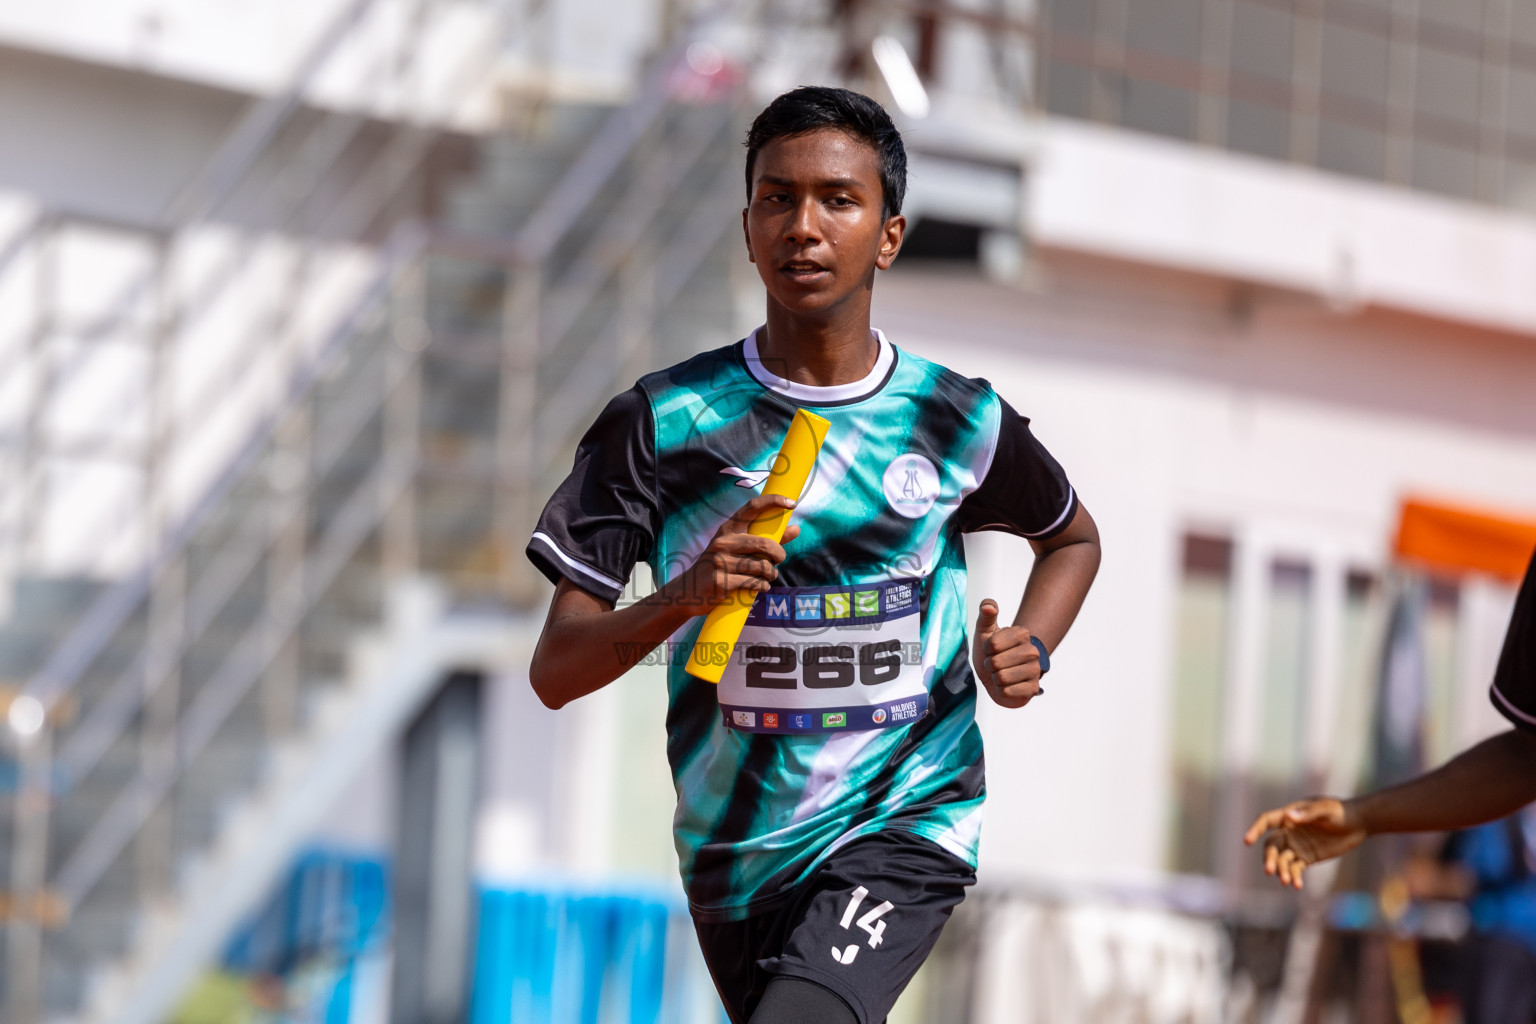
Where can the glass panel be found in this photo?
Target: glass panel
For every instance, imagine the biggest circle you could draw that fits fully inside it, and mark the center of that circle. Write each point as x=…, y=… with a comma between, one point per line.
x=1167, y=27
x=1204, y=611
x=1522, y=101
x=1071, y=16
x=1354, y=64
x=1520, y=185
x=1463, y=14
x=1357, y=675
x=1160, y=109
x=1440, y=642
x=1448, y=85
x=1262, y=131
x=1444, y=169
x=1281, y=748
x=1068, y=89
x=1525, y=22
x=1261, y=41
x=1349, y=149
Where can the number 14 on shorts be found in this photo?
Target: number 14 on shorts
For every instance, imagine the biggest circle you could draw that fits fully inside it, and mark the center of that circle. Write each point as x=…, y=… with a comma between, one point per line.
x=870, y=923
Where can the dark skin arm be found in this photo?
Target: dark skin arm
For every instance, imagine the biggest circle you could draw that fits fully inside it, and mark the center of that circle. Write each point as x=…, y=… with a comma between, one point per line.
x=587, y=644
x=1006, y=663
x=1493, y=779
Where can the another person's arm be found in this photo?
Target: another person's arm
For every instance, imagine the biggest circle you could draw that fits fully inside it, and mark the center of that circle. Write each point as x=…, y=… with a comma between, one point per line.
x=1493, y=779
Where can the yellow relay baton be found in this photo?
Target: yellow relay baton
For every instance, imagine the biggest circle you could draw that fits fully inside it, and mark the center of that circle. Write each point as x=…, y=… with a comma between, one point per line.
x=791, y=469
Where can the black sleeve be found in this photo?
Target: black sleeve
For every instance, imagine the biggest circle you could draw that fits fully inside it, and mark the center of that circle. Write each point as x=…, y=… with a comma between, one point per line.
x=603, y=518
x=1514, y=682
x=1026, y=492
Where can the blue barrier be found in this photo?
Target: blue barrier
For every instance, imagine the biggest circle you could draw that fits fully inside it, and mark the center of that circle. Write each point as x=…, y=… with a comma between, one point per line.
x=546, y=953
x=570, y=958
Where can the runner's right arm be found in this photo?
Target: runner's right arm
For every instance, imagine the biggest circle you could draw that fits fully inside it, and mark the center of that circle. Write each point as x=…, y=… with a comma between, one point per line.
x=587, y=643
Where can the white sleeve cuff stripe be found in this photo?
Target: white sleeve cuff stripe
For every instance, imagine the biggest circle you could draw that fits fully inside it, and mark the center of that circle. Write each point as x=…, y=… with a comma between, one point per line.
x=1071, y=501
x=1505, y=704
x=585, y=570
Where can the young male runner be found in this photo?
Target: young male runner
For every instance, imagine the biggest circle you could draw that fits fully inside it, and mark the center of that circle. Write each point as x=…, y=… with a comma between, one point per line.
x=830, y=787
x=1493, y=779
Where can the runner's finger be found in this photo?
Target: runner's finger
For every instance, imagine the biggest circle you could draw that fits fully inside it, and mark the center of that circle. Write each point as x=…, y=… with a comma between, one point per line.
x=748, y=514
x=1008, y=657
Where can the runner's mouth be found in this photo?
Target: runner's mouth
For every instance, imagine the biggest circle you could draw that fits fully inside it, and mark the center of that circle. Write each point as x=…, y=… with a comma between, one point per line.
x=802, y=269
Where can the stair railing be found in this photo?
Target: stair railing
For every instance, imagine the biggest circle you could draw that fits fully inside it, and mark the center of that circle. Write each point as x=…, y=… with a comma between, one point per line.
x=55, y=760
x=322, y=147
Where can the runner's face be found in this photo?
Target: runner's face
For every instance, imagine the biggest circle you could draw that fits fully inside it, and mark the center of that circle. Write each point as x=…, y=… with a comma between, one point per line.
x=815, y=222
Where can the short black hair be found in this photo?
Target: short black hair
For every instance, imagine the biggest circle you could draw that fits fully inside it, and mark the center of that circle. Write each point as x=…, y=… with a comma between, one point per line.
x=812, y=107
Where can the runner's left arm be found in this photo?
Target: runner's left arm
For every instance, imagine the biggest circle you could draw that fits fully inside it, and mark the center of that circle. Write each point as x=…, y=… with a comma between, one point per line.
x=1026, y=493
x=1007, y=663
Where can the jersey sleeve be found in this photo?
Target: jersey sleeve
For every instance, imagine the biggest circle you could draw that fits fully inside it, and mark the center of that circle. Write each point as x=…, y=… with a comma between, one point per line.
x=1025, y=491
x=603, y=517
x=1514, y=682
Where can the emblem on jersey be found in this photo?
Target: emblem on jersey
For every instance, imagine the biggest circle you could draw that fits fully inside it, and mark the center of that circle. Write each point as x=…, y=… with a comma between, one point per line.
x=866, y=602
x=837, y=606
x=746, y=477
x=879, y=716
x=808, y=606
x=770, y=720
x=745, y=719
x=911, y=485
x=778, y=607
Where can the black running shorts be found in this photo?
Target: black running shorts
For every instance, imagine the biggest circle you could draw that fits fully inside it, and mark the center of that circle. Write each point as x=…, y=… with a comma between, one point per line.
x=860, y=925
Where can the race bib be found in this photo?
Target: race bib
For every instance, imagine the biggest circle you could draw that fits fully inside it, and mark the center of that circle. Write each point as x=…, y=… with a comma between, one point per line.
x=828, y=659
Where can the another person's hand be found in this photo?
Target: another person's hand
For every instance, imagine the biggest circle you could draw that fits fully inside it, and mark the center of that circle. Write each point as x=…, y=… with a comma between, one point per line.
x=1300, y=834
x=736, y=565
x=1007, y=664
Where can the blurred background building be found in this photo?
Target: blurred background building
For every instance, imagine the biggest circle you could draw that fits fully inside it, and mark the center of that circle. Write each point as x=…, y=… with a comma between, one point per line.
x=303, y=306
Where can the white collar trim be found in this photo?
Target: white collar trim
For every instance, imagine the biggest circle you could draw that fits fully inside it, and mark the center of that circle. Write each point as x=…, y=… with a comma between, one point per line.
x=810, y=392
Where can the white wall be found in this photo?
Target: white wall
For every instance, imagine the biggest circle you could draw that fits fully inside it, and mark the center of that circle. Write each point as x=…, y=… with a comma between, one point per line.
x=1130, y=196
x=1295, y=429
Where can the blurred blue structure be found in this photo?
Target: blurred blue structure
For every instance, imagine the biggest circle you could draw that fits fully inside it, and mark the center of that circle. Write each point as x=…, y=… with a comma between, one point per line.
x=572, y=957
x=554, y=954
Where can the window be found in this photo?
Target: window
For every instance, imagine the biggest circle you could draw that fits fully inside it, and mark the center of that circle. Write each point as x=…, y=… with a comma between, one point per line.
x=1204, y=611
x=1442, y=636
x=1259, y=130
x=1168, y=28
x=1447, y=85
x=1350, y=149
x=1261, y=41
x=1160, y=109
x=1281, y=747
x=1444, y=169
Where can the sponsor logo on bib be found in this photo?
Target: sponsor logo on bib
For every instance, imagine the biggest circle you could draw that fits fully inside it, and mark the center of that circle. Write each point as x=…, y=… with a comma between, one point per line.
x=911, y=485
x=820, y=659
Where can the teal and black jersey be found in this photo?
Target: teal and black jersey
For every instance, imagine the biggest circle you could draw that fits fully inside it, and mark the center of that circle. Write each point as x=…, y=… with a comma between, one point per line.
x=848, y=706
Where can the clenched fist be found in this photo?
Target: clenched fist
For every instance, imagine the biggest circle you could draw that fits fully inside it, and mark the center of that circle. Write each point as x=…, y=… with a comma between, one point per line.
x=1007, y=664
